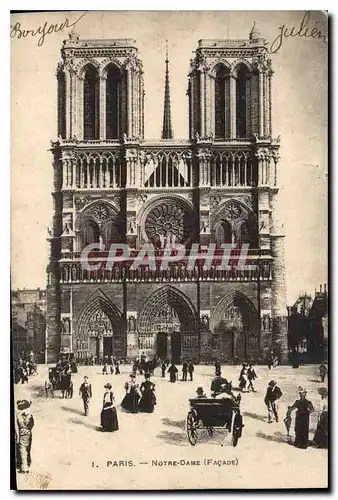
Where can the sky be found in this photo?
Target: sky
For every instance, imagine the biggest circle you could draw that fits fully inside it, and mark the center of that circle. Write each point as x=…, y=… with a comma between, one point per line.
x=299, y=113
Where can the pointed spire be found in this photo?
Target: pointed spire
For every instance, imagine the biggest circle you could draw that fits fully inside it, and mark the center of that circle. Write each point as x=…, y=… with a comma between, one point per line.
x=167, y=132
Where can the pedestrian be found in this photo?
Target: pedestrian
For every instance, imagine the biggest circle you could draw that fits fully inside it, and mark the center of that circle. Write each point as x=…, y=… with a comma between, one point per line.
x=111, y=369
x=105, y=369
x=148, y=398
x=163, y=368
x=304, y=407
x=23, y=431
x=251, y=377
x=243, y=378
x=217, y=368
x=191, y=369
x=109, y=420
x=321, y=437
x=184, y=371
x=132, y=396
x=85, y=392
x=117, y=368
x=322, y=371
x=273, y=394
x=172, y=370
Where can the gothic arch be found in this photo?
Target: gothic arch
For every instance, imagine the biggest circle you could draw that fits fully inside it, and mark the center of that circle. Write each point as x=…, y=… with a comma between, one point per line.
x=240, y=63
x=236, y=214
x=221, y=62
x=232, y=298
x=168, y=295
x=87, y=213
x=113, y=91
x=104, y=66
x=99, y=301
x=81, y=67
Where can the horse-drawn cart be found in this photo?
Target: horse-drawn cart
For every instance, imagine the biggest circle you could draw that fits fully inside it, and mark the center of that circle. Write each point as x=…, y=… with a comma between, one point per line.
x=209, y=414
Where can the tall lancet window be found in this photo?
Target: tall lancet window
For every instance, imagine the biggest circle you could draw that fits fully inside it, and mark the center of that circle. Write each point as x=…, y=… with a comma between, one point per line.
x=91, y=114
x=221, y=97
x=62, y=105
x=241, y=101
x=113, y=86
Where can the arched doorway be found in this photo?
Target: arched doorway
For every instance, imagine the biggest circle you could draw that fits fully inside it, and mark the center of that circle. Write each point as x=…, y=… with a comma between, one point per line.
x=169, y=320
x=99, y=331
x=235, y=328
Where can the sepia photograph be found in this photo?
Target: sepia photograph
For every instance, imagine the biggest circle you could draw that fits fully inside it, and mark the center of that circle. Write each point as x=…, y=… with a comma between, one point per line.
x=169, y=250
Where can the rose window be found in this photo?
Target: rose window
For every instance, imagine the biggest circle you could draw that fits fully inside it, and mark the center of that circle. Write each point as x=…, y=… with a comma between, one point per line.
x=168, y=221
x=100, y=213
x=232, y=210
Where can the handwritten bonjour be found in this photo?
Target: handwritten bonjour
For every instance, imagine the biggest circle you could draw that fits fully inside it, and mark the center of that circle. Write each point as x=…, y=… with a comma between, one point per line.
x=43, y=30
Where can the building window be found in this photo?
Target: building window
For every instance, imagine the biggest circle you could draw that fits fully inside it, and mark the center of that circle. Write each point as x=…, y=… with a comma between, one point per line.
x=113, y=105
x=241, y=102
x=223, y=233
x=90, y=234
x=91, y=104
x=62, y=105
x=221, y=101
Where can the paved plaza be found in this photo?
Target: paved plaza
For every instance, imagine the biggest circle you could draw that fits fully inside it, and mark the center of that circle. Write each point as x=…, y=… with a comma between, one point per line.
x=70, y=452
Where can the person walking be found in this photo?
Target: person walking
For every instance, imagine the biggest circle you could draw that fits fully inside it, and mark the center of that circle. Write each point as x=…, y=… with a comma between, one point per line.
x=85, y=393
x=273, y=394
x=117, y=368
x=191, y=370
x=109, y=421
x=23, y=431
x=163, y=368
x=184, y=371
x=322, y=371
x=251, y=377
x=173, y=371
x=302, y=422
x=217, y=368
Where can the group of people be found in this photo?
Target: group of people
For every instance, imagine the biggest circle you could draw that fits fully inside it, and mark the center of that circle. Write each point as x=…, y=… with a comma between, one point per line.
x=187, y=367
x=24, y=368
x=138, y=398
x=113, y=368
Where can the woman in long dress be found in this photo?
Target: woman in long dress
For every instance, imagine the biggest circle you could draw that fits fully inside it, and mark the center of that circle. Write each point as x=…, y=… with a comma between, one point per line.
x=132, y=397
x=109, y=420
x=304, y=407
x=322, y=432
x=148, y=399
x=173, y=371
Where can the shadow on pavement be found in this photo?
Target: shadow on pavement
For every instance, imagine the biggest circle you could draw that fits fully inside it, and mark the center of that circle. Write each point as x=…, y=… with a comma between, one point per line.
x=277, y=437
x=85, y=424
x=254, y=415
x=73, y=410
x=174, y=423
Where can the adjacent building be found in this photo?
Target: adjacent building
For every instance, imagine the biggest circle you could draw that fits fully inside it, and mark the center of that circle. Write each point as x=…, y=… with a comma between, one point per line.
x=29, y=323
x=218, y=186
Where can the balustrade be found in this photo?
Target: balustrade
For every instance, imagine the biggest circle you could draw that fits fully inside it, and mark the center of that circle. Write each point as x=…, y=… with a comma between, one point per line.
x=74, y=272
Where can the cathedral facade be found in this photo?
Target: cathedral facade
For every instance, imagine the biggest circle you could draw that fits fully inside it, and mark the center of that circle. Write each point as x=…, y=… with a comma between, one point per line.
x=217, y=187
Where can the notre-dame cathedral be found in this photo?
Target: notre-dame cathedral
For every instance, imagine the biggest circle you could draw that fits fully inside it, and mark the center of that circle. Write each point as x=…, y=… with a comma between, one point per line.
x=111, y=185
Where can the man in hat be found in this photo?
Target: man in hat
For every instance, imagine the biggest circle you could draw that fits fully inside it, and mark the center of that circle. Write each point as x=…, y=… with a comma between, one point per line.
x=85, y=393
x=273, y=394
x=220, y=384
x=24, y=426
x=200, y=393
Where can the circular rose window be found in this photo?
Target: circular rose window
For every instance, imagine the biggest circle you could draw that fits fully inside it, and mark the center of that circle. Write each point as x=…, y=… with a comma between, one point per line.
x=169, y=222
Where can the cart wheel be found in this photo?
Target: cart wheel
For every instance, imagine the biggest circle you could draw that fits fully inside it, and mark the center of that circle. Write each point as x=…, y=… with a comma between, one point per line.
x=191, y=428
x=210, y=431
x=237, y=429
